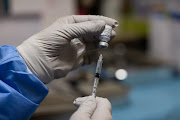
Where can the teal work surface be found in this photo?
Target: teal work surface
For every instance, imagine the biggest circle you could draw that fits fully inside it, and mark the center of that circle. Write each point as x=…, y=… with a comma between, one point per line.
x=154, y=95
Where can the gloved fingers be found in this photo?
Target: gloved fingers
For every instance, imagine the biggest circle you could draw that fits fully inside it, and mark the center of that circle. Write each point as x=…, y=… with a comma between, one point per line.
x=78, y=101
x=84, y=29
x=113, y=34
x=83, y=56
x=88, y=106
x=85, y=110
x=80, y=51
x=103, y=110
x=83, y=18
x=101, y=102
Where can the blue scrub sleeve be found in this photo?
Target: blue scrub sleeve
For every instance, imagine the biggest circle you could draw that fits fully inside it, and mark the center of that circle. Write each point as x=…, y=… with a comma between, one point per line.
x=21, y=92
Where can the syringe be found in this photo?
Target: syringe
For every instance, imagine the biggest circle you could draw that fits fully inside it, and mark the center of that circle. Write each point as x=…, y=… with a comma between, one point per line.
x=97, y=75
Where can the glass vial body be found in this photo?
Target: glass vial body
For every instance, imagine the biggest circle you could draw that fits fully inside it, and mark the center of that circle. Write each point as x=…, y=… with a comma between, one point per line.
x=105, y=37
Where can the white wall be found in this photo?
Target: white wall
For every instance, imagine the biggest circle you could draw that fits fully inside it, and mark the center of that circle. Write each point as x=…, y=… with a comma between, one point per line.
x=111, y=8
x=13, y=32
x=26, y=6
x=160, y=38
x=54, y=9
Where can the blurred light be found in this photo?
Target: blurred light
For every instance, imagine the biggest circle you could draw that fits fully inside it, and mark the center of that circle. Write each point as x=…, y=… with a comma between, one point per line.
x=121, y=74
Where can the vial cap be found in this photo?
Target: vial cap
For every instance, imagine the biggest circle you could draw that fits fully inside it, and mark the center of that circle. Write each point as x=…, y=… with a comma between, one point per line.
x=103, y=44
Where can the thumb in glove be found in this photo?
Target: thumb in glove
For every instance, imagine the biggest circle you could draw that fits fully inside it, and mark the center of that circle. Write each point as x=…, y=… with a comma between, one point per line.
x=85, y=110
x=102, y=111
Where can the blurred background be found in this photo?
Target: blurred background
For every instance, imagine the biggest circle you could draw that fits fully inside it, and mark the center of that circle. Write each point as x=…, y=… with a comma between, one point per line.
x=141, y=67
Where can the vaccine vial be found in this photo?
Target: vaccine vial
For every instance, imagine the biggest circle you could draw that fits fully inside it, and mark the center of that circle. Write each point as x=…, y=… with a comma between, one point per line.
x=105, y=37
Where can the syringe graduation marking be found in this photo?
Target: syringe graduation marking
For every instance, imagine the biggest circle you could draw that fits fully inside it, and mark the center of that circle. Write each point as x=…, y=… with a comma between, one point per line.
x=97, y=75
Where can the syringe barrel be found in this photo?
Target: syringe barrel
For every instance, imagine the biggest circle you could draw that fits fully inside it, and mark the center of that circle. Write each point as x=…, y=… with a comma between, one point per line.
x=95, y=86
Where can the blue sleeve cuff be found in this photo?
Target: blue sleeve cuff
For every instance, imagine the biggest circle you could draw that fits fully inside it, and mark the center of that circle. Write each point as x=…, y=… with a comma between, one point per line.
x=21, y=85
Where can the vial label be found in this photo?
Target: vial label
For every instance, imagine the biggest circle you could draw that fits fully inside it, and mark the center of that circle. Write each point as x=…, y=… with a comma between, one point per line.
x=105, y=37
x=106, y=34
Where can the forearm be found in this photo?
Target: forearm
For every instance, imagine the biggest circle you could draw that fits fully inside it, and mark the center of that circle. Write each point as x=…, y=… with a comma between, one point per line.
x=21, y=92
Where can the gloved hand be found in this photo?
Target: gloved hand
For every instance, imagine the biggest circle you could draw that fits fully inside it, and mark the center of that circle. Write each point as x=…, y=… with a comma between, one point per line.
x=91, y=108
x=63, y=46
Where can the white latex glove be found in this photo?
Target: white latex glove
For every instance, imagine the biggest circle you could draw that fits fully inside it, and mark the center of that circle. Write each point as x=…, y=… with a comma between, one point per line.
x=91, y=108
x=63, y=46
